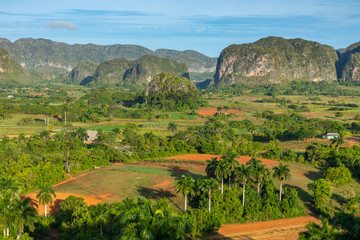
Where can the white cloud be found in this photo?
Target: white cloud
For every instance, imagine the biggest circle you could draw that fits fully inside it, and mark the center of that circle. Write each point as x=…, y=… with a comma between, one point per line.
x=61, y=24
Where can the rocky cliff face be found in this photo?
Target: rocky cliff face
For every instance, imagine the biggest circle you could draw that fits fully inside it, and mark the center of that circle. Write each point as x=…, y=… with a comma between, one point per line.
x=349, y=66
x=82, y=73
x=195, y=61
x=137, y=73
x=276, y=60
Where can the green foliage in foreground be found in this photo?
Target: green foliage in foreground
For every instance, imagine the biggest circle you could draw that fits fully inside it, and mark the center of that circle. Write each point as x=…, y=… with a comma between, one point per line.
x=15, y=213
x=343, y=226
x=129, y=219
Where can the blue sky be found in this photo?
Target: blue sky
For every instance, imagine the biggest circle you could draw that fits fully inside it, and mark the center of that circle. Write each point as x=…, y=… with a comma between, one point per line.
x=207, y=26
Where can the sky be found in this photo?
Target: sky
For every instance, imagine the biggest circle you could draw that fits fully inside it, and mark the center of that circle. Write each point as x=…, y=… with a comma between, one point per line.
x=207, y=26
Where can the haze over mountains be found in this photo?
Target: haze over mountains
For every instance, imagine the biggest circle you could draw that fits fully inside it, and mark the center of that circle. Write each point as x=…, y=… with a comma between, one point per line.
x=268, y=60
x=46, y=55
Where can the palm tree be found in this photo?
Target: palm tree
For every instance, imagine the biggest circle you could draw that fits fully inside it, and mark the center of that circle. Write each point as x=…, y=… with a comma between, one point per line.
x=254, y=163
x=45, y=197
x=211, y=166
x=320, y=232
x=251, y=129
x=337, y=142
x=5, y=216
x=10, y=188
x=222, y=171
x=9, y=184
x=282, y=173
x=172, y=126
x=208, y=185
x=186, y=186
x=226, y=108
x=259, y=171
x=101, y=215
x=24, y=215
x=145, y=221
x=81, y=134
x=242, y=173
x=230, y=156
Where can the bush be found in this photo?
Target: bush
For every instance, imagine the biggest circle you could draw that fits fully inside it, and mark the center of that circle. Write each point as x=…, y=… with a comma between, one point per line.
x=321, y=194
x=339, y=114
x=352, y=205
x=338, y=175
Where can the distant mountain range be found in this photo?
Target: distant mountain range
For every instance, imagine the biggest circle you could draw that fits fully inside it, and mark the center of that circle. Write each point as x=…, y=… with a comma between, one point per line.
x=268, y=60
x=50, y=56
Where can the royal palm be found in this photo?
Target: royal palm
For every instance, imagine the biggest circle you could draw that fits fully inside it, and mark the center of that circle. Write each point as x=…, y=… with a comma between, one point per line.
x=222, y=171
x=208, y=185
x=242, y=174
x=282, y=173
x=186, y=186
x=45, y=196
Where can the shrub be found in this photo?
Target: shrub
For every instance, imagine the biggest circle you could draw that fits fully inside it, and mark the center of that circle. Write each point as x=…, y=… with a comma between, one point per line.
x=321, y=194
x=338, y=175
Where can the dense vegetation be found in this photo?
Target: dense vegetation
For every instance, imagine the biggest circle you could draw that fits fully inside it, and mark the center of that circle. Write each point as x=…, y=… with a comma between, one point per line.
x=162, y=121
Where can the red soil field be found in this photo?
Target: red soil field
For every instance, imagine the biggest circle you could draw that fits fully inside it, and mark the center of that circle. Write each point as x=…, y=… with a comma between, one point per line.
x=210, y=111
x=204, y=157
x=284, y=229
x=54, y=208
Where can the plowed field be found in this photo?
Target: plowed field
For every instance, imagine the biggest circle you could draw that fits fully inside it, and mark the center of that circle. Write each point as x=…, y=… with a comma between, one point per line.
x=210, y=111
x=204, y=157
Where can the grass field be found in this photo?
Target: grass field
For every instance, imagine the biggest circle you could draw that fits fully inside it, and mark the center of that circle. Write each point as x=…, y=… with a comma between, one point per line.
x=117, y=182
x=156, y=181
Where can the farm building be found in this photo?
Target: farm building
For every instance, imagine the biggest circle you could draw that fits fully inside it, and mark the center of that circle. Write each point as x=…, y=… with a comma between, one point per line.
x=331, y=135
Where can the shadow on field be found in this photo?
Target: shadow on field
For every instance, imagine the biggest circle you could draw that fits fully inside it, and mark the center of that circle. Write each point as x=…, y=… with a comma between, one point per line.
x=313, y=175
x=177, y=172
x=340, y=199
x=156, y=194
x=55, y=207
x=304, y=196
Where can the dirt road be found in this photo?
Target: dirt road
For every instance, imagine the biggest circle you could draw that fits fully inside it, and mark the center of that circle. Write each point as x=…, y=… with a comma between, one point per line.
x=283, y=229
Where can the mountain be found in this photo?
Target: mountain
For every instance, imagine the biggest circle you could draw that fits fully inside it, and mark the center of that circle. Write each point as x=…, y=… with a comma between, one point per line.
x=276, y=60
x=136, y=73
x=171, y=92
x=82, y=73
x=349, y=65
x=11, y=73
x=50, y=56
x=195, y=61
